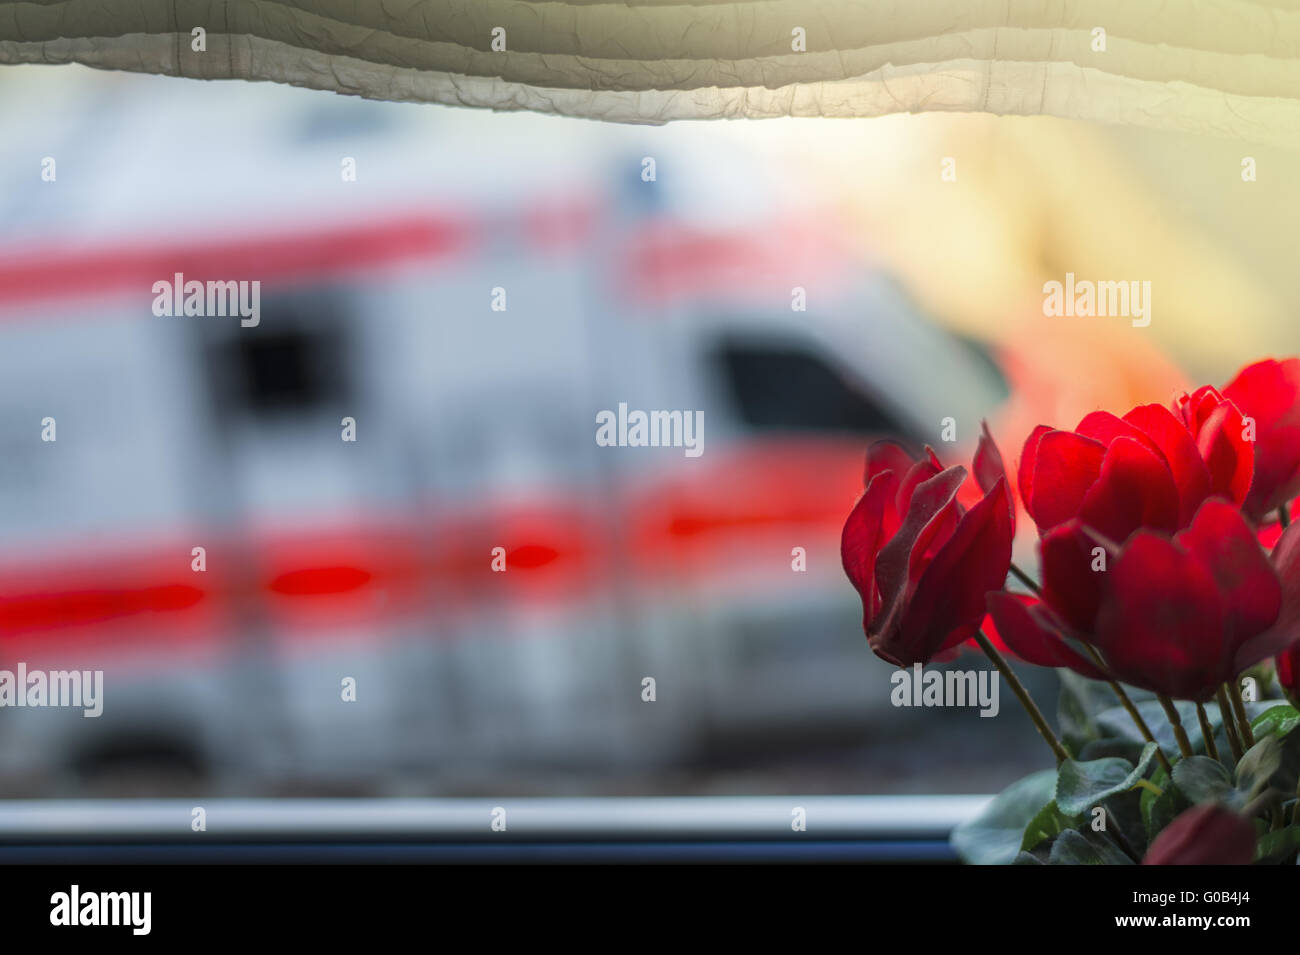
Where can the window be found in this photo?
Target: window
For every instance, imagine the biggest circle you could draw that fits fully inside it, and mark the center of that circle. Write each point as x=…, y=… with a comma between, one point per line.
x=291, y=364
x=778, y=386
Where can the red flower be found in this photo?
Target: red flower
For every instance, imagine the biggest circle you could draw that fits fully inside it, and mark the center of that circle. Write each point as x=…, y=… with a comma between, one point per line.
x=1145, y=470
x=1269, y=393
x=1204, y=835
x=921, y=562
x=1176, y=615
x=1288, y=671
x=1286, y=635
x=1222, y=440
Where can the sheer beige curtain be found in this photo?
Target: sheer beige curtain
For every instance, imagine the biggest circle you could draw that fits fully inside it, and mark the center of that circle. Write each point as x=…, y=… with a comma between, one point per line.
x=1225, y=67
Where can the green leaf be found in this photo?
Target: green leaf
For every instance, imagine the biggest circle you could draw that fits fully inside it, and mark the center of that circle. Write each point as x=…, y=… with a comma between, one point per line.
x=994, y=836
x=1273, y=845
x=1047, y=824
x=1079, y=701
x=1287, y=778
x=1086, y=848
x=1117, y=721
x=1256, y=767
x=1129, y=749
x=1159, y=810
x=1201, y=779
x=1080, y=785
x=1272, y=763
x=1276, y=721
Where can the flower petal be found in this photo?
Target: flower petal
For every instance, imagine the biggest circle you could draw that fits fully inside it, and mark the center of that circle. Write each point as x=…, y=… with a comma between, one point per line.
x=988, y=464
x=1269, y=392
x=1277, y=471
x=862, y=538
x=1135, y=489
x=1288, y=670
x=1105, y=427
x=1208, y=834
x=1070, y=584
x=989, y=468
x=1226, y=452
x=1160, y=624
x=917, y=474
x=933, y=511
x=950, y=597
x=1028, y=459
x=1223, y=542
x=1286, y=630
x=1198, y=406
x=1065, y=466
x=886, y=456
x=1176, y=444
x=1028, y=630
x=1267, y=389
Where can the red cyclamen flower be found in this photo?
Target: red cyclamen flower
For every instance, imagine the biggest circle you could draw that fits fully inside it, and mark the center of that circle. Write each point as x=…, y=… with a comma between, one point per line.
x=1204, y=835
x=1176, y=615
x=1286, y=642
x=921, y=562
x=1145, y=470
x=1145, y=554
x=1288, y=671
x=1223, y=440
x=1269, y=393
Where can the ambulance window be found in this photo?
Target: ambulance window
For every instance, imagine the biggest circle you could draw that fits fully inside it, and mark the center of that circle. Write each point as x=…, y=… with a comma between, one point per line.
x=784, y=387
x=282, y=371
x=291, y=364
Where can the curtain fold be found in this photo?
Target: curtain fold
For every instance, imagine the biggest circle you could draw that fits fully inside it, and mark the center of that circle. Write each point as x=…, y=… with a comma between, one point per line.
x=1223, y=67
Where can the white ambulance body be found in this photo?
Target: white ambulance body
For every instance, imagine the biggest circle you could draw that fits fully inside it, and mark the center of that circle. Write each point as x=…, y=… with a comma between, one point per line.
x=653, y=608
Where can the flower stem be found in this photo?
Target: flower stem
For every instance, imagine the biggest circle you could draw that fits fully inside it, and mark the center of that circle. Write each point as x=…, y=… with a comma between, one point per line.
x=1260, y=804
x=1239, y=709
x=1180, y=734
x=1207, y=733
x=1133, y=711
x=1229, y=724
x=1025, y=579
x=1124, y=844
x=1023, y=696
x=1127, y=703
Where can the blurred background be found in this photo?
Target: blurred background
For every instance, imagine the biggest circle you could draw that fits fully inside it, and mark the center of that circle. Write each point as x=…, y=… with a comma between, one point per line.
x=475, y=427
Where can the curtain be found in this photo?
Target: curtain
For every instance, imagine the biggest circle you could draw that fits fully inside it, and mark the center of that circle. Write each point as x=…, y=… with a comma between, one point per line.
x=1222, y=67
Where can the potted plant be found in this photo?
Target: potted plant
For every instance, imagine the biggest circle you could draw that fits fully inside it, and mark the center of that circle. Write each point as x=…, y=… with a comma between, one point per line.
x=1167, y=594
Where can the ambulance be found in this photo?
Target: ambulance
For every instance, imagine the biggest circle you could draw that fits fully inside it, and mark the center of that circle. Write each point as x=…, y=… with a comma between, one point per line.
x=370, y=542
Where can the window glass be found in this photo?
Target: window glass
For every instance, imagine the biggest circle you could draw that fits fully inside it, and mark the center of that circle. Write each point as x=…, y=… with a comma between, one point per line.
x=787, y=387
